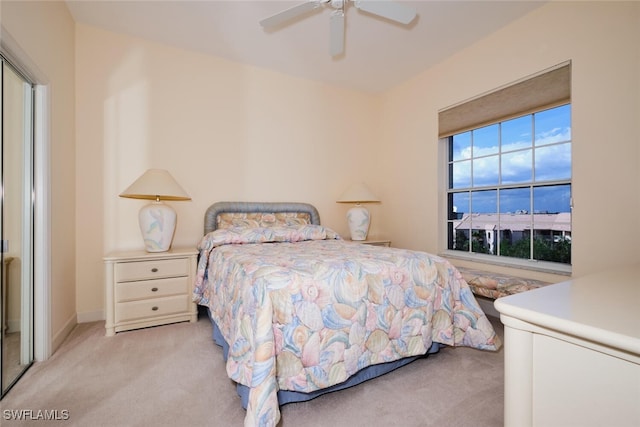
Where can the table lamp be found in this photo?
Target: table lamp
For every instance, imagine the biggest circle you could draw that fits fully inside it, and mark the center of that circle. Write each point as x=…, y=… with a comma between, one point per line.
x=358, y=216
x=157, y=220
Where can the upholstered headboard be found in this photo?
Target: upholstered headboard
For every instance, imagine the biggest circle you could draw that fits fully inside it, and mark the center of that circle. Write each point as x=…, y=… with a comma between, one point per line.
x=223, y=212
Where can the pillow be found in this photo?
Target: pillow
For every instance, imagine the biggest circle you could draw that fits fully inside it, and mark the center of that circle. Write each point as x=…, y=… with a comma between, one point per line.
x=258, y=219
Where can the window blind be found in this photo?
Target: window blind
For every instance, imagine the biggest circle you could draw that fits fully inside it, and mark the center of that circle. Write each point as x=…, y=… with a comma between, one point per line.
x=547, y=89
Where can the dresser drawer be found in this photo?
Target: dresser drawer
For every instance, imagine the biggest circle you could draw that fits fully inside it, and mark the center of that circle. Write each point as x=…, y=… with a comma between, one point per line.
x=133, y=310
x=146, y=289
x=142, y=270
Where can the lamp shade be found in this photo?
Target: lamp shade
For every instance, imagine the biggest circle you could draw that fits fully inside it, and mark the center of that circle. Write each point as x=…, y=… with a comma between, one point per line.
x=157, y=220
x=358, y=193
x=155, y=184
x=358, y=216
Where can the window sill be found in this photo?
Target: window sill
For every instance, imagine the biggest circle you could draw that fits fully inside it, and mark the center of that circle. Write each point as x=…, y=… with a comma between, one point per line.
x=522, y=264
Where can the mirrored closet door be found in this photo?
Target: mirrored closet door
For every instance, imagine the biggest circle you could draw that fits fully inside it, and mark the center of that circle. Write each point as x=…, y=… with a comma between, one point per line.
x=16, y=226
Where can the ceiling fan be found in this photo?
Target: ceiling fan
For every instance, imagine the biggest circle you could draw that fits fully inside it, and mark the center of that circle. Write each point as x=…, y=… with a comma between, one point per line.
x=384, y=8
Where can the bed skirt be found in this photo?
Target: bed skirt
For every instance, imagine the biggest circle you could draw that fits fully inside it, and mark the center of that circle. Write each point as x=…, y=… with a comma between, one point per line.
x=287, y=396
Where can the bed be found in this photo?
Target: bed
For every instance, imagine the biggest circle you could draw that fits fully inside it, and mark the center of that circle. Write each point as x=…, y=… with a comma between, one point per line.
x=300, y=312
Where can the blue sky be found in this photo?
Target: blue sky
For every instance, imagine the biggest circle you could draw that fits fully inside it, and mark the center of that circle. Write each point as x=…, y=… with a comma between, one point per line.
x=551, y=199
x=534, y=148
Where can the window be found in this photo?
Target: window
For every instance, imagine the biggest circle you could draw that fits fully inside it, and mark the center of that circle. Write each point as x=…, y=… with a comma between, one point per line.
x=508, y=180
x=509, y=191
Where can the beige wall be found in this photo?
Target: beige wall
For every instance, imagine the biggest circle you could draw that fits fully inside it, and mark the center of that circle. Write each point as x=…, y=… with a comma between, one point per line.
x=225, y=131
x=602, y=39
x=147, y=105
x=44, y=32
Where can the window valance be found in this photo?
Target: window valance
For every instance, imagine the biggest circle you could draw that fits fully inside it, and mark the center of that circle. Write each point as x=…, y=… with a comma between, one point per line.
x=549, y=88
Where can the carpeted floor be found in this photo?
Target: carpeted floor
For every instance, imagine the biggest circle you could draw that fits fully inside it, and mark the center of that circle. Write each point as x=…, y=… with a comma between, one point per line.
x=174, y=375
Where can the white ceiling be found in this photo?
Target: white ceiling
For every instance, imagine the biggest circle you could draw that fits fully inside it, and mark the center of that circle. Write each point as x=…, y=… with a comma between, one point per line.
x=378, y=54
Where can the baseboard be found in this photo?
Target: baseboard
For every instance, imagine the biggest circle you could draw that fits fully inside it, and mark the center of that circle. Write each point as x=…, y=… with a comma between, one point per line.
x=90, y=316
x=59, y=338
x=486, y=304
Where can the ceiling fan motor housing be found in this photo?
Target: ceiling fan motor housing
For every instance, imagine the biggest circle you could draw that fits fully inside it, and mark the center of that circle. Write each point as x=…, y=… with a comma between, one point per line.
x=387, y=9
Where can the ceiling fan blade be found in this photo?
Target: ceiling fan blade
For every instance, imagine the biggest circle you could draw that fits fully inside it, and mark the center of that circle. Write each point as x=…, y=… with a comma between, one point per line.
x=290, y=13
x=336, y=35
x=387, y=9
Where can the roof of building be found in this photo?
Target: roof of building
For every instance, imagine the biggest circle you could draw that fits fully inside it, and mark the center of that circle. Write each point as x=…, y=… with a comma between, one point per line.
x=515, y=221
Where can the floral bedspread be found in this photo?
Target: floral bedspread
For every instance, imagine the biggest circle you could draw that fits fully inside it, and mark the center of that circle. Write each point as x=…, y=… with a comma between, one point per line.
x=303, y=309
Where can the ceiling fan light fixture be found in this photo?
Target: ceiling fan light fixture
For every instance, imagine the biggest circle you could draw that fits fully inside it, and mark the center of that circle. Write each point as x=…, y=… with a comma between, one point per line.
x=387, y=9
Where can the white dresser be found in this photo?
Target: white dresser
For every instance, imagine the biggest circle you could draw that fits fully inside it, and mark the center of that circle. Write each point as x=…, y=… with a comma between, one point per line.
x=572, y=352
x=149, y=289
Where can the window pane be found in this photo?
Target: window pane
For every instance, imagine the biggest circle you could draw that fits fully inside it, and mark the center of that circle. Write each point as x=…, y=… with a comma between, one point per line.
x=553, y=125
x=515, y=243
x=515, y=201
x=459, y=241
x=485, y=141
x=515, y=222
x=517, y=167
x=459, y=205
x=482, y=240
x=549, y=245
x=552, y=199
x=458, y=231
x=553, y=162
x=484, y=205
x=460, y=174
x=486, y=171
x=552, y=223
x=461, y=146
x=484, y=201
x=516, y=133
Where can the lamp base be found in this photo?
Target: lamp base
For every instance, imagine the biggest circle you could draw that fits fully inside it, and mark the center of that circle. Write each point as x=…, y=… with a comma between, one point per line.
x=358, y=219
x=157, y=223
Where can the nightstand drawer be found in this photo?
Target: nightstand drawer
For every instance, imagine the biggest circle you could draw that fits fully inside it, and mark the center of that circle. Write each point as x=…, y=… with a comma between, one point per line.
x=133, y=310
x=145, y=289
x=141, y=270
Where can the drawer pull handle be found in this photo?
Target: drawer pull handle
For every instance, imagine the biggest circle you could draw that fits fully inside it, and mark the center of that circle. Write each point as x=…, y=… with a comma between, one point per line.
x=154, y=270
x=154, y=289
x=154, y=308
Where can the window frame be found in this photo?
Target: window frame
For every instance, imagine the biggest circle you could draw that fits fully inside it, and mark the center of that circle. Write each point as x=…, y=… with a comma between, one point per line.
x=444, y=221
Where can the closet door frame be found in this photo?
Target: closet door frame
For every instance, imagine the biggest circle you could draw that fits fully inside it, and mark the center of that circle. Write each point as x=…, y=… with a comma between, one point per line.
x=42, y=334
x=17, y=213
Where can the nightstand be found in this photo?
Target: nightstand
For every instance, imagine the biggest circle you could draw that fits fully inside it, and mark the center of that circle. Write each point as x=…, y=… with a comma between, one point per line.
x=149, y=289
x=373, y=242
